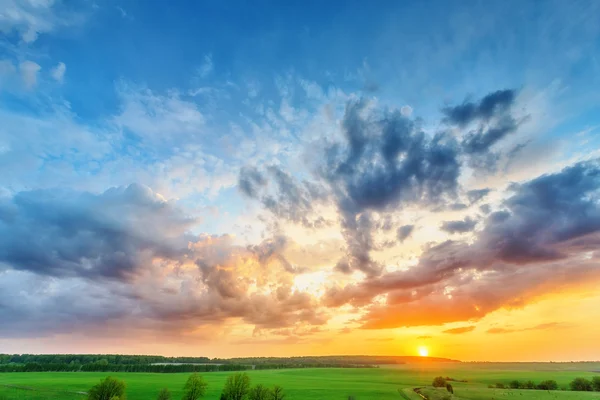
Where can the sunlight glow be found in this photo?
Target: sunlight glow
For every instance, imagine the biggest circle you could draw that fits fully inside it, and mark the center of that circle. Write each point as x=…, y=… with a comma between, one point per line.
x=423, y=351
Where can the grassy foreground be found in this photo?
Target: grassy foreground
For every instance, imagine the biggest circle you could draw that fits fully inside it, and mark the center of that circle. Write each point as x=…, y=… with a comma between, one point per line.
x=321, y=383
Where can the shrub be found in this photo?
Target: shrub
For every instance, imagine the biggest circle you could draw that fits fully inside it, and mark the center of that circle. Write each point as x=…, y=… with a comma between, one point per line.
x=596, y=383
x=500, y=386
x=194, y=388
x=439, y=381
x=449, y=388
x=515, y=384
x=548, y=385
x=164, y=395
x=581, y=385
x=108, y=389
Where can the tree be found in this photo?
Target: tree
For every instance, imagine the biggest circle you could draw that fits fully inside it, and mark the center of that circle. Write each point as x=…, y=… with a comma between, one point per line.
x=164, y=395
x=499, y=385
x=581, y=385
x=236, y=386
x=108, y=389
x=194, y=388
x=277, y=393
x=449, y=388
x=259, y=392
x=548, y=385
x=515, y=384
x=529, y=385
x=439, y=381
x=596, y=383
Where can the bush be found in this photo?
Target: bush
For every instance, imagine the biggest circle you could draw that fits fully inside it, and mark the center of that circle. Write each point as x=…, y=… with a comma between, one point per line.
x=194, y=388
x=515, y=384
x=439, y=381
x=596, y=383
x=108, y=389
x=581, y=385
x=164, y=395
x=548, y=385
x=500, y=386
x=449, y=388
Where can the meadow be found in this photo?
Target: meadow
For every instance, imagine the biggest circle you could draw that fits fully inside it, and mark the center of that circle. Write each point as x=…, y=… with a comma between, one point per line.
x=387, y=382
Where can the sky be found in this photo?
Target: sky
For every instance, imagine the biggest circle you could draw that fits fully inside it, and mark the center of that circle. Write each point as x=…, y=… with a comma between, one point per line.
x=230, y=178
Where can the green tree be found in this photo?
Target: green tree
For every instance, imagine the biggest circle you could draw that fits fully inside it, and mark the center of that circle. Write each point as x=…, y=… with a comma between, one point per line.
x=164, y=395
x=548, y=385
x=515, y=384
x=194, y=388
x=596, y=383
x=259, y=392
x=449, y=388
x=277, y=393
x=529, y=385
x=439, y=381
x=581, y=385
x=236, y=386
x=108, y=389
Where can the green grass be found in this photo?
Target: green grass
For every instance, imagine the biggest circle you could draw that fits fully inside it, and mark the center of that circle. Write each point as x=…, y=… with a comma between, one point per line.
x=312, y=384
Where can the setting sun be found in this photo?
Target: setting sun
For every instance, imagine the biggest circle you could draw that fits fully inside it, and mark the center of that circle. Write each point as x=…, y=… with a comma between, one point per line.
x=423, y=352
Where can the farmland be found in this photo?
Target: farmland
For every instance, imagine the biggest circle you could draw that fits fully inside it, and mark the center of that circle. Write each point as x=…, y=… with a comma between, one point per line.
x=387, y=382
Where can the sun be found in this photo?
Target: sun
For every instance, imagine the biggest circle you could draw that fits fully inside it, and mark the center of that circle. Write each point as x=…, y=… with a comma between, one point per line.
x=423, y=351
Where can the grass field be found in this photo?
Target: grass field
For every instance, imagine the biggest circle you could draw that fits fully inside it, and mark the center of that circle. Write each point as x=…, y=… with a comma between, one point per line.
x=308, y=384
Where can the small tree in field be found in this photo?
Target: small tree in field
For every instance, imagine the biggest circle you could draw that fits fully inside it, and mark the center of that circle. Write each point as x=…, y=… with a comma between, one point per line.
x=439, y=381
x=449, y=388
x=194, y=388
x=164, y=395
x=515, y=384
x=259, y=392
x=529, y=385
x=548, y=385
x=237, y=386
x=277, y=393
x=596, y=383
x=581, y=385
x=108, y=389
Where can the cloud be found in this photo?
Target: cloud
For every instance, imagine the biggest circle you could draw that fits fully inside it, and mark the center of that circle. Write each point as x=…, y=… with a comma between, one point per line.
x=475, y=196
x=545, y=326
x=424, y=337
x=58, y=72
x=404, y=232
x=488, y=107
x=463, y=226
x=460, y=330
x=207, y=67
x=533, y=245
x=31, y=18
x=126, y=257
x=29, y=72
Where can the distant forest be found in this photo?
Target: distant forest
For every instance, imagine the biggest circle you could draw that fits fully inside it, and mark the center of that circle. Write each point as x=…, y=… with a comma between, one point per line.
x=144, y=363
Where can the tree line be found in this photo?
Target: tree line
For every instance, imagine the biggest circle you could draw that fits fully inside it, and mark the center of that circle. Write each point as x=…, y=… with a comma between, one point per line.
x=104, y=367
x=237, y=387
x=577, y=384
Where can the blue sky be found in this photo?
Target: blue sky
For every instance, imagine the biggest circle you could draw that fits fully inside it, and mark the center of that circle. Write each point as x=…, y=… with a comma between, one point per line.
x=154, y=115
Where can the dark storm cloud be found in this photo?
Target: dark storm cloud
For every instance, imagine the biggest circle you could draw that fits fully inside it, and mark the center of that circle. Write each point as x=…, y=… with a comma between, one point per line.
x=404, y=232
x=458, y=331
x=466, y=225
x=546, y=225
x=65, y=233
